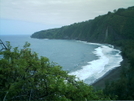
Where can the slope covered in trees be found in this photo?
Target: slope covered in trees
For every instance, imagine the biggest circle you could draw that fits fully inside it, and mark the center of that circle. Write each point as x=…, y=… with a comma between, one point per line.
x=106, y=28
x=115, y=28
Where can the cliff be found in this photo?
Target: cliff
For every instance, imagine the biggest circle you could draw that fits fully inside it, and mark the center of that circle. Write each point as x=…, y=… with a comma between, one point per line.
x=108, y=28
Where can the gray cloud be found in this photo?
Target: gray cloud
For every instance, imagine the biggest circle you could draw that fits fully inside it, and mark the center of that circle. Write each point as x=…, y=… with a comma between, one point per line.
x=58, y=12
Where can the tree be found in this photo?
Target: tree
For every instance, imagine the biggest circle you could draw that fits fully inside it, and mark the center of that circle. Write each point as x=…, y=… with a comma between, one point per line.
x=26, y=77
x=115, y=11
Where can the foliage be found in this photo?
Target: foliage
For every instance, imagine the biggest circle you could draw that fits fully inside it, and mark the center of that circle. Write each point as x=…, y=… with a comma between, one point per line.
x=26, y=77
x=124, y=87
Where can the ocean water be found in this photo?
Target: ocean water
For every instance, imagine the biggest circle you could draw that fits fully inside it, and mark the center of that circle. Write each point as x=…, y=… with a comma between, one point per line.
x=88, y=61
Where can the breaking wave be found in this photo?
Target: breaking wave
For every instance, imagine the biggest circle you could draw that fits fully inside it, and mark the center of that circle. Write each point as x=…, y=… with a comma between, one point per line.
x=108, y=59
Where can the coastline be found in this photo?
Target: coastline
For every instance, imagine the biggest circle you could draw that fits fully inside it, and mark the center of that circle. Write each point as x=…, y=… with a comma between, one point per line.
x=110, y=76
x=103, y=52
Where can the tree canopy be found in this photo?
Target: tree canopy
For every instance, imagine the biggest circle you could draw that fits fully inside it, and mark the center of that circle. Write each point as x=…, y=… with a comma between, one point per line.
x=26, y=77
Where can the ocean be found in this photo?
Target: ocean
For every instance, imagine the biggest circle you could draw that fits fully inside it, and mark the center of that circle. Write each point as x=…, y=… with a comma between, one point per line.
x=88, y=61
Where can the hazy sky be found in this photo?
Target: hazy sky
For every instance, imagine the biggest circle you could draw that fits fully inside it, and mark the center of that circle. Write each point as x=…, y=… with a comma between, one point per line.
x=58, y=12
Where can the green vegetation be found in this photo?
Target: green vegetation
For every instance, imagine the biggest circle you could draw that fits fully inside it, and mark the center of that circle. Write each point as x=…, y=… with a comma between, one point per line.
x=124, y=86
x=26, y=77
x=109, y=28
x=115, y=28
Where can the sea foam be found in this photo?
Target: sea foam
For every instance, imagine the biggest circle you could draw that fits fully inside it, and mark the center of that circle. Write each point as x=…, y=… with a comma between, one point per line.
x=108, y=59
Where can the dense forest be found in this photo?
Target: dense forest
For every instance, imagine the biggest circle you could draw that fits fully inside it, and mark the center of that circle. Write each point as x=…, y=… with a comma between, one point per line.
x=116, y=28
x=107, y=28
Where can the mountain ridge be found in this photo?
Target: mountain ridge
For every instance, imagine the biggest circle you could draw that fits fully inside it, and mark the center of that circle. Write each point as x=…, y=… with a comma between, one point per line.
x=103, y=29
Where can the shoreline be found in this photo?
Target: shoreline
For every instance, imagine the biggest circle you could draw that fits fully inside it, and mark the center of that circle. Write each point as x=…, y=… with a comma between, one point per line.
x=111, y=75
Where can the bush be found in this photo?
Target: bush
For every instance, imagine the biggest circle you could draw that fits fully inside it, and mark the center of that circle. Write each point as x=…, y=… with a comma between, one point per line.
x=26, y=77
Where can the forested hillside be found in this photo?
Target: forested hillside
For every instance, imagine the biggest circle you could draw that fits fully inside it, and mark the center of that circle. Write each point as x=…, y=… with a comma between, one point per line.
x=115, y=28
x=106, y=28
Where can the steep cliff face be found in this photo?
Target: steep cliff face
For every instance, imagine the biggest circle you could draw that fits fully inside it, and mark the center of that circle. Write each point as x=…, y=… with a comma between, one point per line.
x=109, y=28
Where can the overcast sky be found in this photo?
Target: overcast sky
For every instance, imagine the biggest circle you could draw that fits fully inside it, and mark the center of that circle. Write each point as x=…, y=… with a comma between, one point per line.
x=58, y=12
